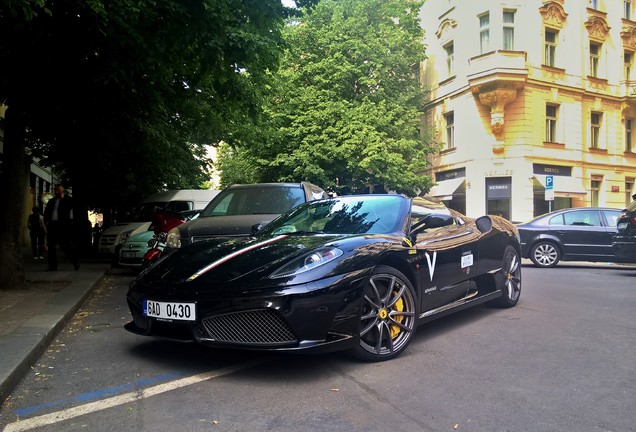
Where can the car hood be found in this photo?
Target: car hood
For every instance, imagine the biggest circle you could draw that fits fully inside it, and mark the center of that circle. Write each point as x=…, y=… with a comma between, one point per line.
x=125, y=226
x=222, y=226
x=142, y=237
x=245, y=262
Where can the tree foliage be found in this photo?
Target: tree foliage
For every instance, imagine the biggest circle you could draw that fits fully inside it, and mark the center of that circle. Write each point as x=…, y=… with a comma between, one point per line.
x=344, y=109
x=119, y=95
x=128, y=88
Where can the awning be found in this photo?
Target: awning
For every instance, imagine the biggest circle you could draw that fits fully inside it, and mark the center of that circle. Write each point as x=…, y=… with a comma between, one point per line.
x=564, y=186
x=445, y=189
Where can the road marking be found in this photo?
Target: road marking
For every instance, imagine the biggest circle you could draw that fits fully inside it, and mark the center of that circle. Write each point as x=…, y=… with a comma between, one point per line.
x=70, y=413
x=96, y=395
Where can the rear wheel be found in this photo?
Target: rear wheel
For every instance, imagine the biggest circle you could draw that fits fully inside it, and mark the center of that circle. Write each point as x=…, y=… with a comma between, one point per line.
x=511, y=279
x=389, y=315
x=545, y=254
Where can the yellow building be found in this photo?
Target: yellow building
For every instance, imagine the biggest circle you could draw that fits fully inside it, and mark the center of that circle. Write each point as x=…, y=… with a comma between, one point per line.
x=525, y=92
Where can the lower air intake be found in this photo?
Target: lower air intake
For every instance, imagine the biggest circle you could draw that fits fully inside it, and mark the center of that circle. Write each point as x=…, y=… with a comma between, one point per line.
x=255, y=327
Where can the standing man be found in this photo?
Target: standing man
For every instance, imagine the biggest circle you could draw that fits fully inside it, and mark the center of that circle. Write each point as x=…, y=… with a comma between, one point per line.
x=58, y=216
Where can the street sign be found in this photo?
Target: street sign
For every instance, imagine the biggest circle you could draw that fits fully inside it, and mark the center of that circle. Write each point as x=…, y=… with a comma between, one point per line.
x=549, y=182
x=549, y=194
x=549, y=188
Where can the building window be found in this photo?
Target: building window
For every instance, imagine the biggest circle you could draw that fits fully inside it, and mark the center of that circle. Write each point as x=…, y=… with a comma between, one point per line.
x=450, y=58
x=595, y=186
x=449, y=118
x=550, y=123
x=627, y=9
x=595, y=55
x=594, y=4
x=627, y=66
x=595, y=130
x=628, y=134
x=509, y=30
x=484, y=32
x=629, y=187
x=550, y=47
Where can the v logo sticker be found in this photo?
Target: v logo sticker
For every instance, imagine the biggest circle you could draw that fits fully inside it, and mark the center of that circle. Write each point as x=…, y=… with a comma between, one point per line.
x=431, y=264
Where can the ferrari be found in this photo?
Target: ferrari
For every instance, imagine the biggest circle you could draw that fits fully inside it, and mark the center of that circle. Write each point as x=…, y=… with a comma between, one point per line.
x=357, y=273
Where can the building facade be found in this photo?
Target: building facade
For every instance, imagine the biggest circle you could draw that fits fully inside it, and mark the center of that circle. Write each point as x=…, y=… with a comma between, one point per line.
x=525, y=92
x=40, y=185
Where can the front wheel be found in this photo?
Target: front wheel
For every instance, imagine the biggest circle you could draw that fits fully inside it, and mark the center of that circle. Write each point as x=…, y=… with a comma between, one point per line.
x=511, y=279
x=545, y=254
x=389, y=315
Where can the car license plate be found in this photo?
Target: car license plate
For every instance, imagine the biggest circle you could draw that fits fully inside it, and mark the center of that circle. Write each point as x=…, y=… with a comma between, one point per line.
x=622, y=225
x=170, y=310
x=127, y=254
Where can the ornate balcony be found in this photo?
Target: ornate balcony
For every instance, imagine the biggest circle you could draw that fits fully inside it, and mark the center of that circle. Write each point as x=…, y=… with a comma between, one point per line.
x=494, y=78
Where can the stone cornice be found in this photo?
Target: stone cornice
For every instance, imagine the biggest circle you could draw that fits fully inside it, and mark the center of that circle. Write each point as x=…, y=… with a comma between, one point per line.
x=446, y=25
x=597, y=27
x=553, y=13
x=628, y=34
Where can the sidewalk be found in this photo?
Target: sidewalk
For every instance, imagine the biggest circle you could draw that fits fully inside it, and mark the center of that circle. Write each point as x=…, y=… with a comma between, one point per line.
x=30, y=319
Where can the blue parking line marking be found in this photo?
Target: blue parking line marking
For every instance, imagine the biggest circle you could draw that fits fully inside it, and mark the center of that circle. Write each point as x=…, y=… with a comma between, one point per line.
x=99, y=394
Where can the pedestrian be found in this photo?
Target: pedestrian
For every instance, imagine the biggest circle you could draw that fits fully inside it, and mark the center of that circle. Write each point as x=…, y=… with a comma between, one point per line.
x=37, y=230
x=58, y=216
x=97, y=232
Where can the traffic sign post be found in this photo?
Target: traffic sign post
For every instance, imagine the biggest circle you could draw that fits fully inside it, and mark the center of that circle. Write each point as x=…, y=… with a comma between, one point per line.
x=549, y=190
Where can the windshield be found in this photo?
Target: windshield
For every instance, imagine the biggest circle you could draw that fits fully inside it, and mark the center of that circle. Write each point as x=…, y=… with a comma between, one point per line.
x=372, y=214
x=145, y=212
x=254, y=200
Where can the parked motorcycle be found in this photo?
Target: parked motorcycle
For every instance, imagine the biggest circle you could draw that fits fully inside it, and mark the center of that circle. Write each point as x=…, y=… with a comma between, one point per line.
x=163, y=223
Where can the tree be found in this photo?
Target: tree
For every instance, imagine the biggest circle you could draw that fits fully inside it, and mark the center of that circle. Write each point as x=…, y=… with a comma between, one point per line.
x=120, y=95
x=345, y=107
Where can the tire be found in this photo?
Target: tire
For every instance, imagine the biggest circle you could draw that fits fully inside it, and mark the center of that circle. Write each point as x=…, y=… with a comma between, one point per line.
x=389, y=316
x=545, y=254
x=510, y=279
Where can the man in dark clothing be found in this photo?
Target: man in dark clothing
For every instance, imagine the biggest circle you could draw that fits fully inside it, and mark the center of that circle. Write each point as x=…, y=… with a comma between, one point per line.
x=58, y=216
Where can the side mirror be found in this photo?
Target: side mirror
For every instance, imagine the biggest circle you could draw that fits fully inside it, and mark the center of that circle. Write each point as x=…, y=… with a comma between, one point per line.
x=484, y=224
x=257, y=227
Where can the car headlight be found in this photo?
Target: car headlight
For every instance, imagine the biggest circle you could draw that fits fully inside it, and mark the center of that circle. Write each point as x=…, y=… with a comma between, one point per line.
x=174, y=239
x=307, y=262
x=124, y=236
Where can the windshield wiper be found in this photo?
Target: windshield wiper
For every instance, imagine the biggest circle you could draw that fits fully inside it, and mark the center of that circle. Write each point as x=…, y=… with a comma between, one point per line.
x=301, y=233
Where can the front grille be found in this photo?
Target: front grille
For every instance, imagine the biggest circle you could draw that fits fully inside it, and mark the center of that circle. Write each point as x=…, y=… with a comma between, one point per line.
x=108, y=240
x=262, y=327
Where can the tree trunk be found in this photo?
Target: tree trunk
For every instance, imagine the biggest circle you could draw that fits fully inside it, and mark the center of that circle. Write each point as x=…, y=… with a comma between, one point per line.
x=13, y=186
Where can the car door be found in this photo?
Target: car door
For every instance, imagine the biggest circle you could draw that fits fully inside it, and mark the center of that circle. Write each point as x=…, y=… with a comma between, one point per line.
x=446, y=255
x=584, y=234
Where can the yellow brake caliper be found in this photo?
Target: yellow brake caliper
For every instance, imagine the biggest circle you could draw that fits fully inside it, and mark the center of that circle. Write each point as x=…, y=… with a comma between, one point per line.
x=398, y=306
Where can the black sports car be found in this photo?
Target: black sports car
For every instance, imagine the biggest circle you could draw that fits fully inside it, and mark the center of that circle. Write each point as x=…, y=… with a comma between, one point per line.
x=355, y=272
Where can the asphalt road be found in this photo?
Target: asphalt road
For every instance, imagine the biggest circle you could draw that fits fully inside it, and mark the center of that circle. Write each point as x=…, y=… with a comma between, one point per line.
x=563, y=360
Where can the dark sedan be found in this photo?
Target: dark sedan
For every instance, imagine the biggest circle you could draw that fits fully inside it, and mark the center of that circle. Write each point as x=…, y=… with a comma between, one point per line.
x=624, y=242
x=575, y=234
x=357, y=273
x=240, y=207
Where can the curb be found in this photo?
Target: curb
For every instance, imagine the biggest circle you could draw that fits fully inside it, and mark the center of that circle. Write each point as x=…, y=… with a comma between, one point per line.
x=25, y=345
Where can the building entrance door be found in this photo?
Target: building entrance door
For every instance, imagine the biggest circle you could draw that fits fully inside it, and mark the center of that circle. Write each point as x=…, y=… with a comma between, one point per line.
x=498, y=193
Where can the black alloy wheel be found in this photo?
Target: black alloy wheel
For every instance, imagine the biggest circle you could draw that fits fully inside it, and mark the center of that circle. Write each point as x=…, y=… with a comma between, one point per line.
x=389, y=315
x=545, y=254
x=511, y=279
